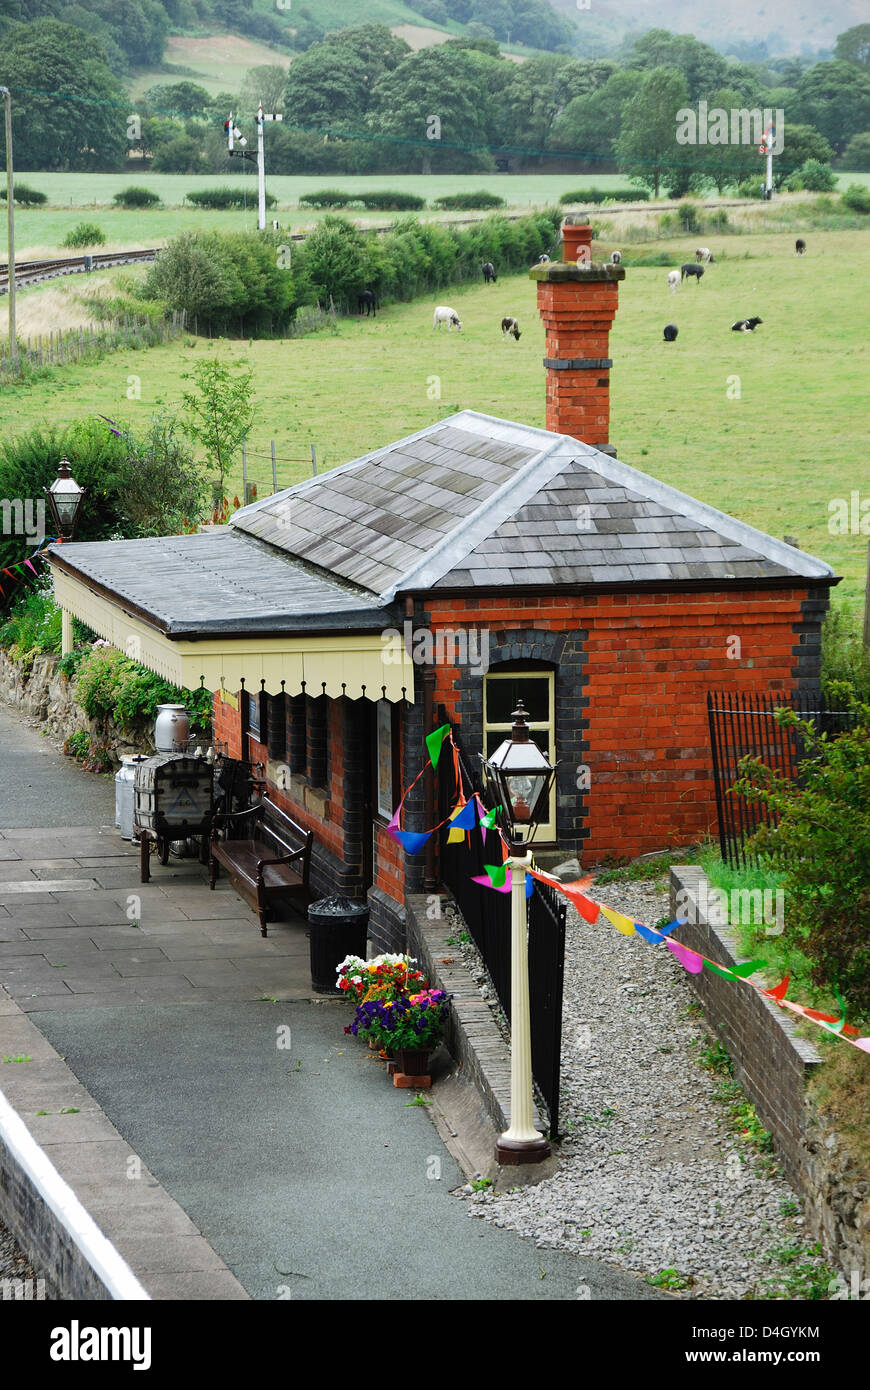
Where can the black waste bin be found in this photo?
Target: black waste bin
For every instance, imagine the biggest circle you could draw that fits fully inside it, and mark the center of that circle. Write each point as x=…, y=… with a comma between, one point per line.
x=338, y=928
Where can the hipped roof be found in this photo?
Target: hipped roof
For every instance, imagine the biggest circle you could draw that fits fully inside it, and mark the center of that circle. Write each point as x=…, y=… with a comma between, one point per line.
x=470, y=503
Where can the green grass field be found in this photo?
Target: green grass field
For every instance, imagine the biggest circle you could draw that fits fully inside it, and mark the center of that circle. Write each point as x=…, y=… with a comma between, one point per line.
x=774, y=455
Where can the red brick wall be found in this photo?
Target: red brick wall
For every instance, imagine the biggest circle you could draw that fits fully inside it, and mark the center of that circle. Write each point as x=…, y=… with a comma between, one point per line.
x=651, y=660
x=227, y=726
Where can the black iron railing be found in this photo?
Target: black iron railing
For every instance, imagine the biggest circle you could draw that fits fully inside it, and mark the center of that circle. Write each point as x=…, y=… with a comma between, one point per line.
x=744, y=725
x=487, y=915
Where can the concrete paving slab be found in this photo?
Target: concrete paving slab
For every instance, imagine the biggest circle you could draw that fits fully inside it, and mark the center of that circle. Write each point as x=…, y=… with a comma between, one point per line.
x=28, y=914
x=14, y=871
x=10, y=935
x=84, y=1126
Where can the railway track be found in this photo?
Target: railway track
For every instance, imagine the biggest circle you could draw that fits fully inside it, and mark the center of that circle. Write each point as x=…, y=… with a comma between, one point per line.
x=33, y=272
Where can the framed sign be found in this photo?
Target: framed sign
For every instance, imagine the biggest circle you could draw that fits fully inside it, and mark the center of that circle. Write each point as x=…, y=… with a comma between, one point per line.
x=384, y=742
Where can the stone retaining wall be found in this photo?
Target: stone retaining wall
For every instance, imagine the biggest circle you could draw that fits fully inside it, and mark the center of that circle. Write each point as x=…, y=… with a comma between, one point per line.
x=773, y=1065
x=43, y=694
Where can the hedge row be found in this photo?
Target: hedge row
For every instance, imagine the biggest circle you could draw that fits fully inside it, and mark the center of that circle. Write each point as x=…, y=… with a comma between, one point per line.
x=225, y=198
x=603, y=195
x=245, y=283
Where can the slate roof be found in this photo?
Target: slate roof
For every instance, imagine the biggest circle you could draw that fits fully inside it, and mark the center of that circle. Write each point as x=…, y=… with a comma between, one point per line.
x=471, y=502
x=217, y=582
x=480, y=502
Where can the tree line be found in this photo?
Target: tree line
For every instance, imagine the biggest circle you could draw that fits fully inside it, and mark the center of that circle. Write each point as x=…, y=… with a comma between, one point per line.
x=361, y=101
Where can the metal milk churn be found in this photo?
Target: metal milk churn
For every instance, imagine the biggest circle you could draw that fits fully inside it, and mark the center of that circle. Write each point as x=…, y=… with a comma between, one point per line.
x=172, y=729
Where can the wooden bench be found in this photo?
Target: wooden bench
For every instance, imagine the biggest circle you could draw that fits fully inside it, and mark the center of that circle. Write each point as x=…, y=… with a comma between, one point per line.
x=263, y=856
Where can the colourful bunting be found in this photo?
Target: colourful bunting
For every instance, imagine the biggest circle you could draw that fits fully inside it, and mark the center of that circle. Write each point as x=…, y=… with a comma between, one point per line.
x=434, y=742
x=412, y=842
x=736, y=972
x=497, y=873
x=485, y=881
x=455, y=837
x=464, y=819
x=778, y=992
x=690, y=960
x=623, y=924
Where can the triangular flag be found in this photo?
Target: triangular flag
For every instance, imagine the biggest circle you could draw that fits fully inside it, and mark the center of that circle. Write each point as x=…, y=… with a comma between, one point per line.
x=779, y=991
x=497, y=874
x=486, y=882
x=455, y=836
x=863, y=1043
x=411, y=841
x=434, y=742
x=464, y=819
x=481, y=817
x=622, y=924
x=489, y=818
x=530, y=885
x=690, y=960
x=587, y=909
x=737, y=972
x=27, y=562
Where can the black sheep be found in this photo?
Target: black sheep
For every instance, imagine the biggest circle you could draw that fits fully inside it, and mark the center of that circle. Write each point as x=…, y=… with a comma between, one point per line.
x=671, y=332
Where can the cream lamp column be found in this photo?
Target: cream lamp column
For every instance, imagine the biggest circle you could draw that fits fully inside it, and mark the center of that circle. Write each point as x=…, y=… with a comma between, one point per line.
x=519, y=776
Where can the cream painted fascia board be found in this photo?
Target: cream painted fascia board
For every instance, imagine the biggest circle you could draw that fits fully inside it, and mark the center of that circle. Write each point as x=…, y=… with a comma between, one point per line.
x=359, y=664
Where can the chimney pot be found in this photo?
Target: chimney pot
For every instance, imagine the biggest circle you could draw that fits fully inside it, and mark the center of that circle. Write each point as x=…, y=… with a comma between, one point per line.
x=576, y=234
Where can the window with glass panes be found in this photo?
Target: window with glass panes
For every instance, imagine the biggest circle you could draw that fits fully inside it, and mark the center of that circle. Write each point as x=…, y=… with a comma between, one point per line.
x=501, y=692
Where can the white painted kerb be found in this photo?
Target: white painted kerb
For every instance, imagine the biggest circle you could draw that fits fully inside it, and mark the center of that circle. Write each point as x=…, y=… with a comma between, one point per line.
x=100, y=1253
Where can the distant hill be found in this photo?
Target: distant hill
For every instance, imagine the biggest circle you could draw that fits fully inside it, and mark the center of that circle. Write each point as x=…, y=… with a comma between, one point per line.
x=788, y=26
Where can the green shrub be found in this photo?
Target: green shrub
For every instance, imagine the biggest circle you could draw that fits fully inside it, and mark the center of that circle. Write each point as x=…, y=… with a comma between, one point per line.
x=78, y=745
x=388, y=201
x=225, y=198
x=328, y=198
x=136, y=197
x=821, y=841
x=25, y=195
x=84, y=234
x=845, y=659
x=750, y=188
x=857, y=197
x=226, y=282
x=28, y=463
x=817, y=177
x=463, y=201
x=112, y=687
x=605, y=195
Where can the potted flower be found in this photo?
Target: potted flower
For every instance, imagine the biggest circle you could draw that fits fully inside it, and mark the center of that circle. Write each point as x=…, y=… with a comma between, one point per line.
x=385, y=977
x=410, y=1025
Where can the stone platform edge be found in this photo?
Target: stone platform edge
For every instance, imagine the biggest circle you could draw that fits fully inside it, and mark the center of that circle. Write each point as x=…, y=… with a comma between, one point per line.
x=78, y=1200
x=473, y=1036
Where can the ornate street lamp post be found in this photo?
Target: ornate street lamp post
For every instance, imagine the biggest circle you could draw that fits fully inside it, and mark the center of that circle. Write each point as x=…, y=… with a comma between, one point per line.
x=65, y=500
x=519, y=778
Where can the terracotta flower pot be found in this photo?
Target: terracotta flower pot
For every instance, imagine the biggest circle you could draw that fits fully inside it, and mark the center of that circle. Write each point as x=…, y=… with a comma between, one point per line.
x=413, y=1061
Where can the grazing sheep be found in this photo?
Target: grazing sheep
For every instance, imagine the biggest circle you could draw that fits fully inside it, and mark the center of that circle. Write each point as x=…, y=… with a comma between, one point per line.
x=616, y=258
x=366, y=302
x=443, y=314
x=800, y=246
x=689, y=269
x=673, y=281
x=489, y=275
x=542, y=260
x=671, y=332
x=510, y=328
x=746, y=325
x=705, y=255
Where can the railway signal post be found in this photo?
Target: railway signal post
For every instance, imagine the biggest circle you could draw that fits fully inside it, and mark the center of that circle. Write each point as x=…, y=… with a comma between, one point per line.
x=234, y=137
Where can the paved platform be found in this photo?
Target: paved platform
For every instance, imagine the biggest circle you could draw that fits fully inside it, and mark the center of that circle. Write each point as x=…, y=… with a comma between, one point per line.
x=270, y=1155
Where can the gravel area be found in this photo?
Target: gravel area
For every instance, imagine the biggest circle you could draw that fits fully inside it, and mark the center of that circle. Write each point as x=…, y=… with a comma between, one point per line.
x=14, y=1264
x=654, y=1179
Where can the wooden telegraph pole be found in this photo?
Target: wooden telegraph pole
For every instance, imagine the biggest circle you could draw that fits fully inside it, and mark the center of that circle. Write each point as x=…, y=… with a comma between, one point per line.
x=10, y=210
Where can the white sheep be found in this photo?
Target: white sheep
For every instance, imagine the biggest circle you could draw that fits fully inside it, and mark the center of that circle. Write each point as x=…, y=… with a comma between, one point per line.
x=443, y=314
x=673, y=281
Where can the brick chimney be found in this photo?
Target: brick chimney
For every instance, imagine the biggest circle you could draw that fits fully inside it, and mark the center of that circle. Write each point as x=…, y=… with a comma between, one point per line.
x=577, y=299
